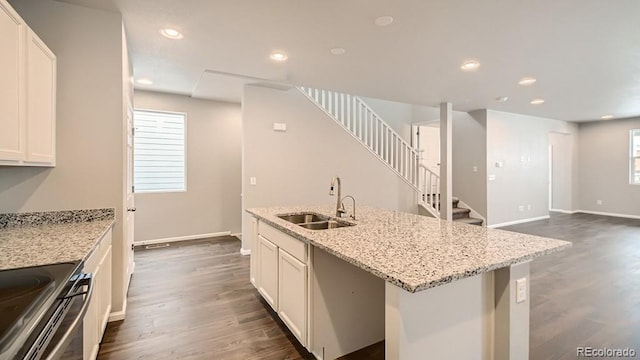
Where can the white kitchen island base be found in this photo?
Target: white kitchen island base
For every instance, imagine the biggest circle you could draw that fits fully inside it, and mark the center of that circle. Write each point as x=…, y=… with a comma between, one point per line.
x=472, y=318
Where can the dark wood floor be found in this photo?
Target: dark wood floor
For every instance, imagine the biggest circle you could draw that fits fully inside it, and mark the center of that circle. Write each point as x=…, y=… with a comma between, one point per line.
x=589, y=295
x=194, y=301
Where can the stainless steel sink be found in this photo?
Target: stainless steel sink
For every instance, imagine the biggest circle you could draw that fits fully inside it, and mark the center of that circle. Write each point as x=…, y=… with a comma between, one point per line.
x=303, y=218
x=323, y=225
x=314, y=221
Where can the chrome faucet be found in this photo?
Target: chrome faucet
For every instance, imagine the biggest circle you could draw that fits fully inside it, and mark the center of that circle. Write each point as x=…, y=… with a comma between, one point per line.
x=353, y=215
x=339, y=209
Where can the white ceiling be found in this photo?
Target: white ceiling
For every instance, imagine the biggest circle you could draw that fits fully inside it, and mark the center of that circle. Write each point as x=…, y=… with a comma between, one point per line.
x=584, y=53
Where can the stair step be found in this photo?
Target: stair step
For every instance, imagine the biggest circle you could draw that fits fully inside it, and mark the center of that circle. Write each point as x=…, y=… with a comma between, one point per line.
x=470, y=221
x=460, y=213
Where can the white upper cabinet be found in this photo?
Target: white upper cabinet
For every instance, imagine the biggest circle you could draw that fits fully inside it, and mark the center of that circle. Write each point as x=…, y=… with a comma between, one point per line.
x=41, y=102
x=12, y=86
x=27, y=94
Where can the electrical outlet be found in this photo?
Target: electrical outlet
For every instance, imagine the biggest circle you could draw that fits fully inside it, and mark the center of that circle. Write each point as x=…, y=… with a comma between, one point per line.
x=521, y=290
x=599, y=202
x=529, y=207
x=475, y=169
x=521, y=208
x=252, y=180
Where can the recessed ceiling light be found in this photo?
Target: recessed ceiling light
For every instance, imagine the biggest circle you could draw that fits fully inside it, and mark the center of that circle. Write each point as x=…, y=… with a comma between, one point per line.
x=144, y=81
x=383, y=20
x=278, y=56
x=606, y=117
x=470, y=65
x=527, y=81
x=338, y=51
x=502, y=99
x=537, y=101
x=171, y=33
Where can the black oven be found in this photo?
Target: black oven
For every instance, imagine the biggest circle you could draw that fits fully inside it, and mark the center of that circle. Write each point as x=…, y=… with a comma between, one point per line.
x=41, y=311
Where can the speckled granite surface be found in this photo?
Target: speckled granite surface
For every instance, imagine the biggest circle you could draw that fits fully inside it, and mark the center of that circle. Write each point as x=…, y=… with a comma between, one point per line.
x=55, y=217
x=412, y=251
x=51, y=238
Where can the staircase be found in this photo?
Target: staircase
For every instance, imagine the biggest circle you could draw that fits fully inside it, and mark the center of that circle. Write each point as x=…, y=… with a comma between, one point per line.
x=368, y=128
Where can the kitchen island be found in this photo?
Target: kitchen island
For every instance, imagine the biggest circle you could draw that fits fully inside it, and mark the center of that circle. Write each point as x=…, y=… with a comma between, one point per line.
x=449, y=289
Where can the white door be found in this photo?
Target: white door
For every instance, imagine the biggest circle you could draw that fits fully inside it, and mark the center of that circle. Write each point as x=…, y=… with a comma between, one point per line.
x=292, y=294
x=268, y=264
x=129, y=199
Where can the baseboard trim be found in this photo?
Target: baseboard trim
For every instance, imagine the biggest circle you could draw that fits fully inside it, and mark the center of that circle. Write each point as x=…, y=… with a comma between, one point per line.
x=564, y=211
x=238, y=235
x=181, y=238
x=626, y=216
x=245, y=252
x=519, y=221
x=119, y=315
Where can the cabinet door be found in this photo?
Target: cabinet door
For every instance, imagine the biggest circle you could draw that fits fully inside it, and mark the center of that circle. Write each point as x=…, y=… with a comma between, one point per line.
x=292, y=295
x=268, y=265
x=12, y=117
x=91, y=323
x=41, y=102
x=104, y=291
x=253, y=270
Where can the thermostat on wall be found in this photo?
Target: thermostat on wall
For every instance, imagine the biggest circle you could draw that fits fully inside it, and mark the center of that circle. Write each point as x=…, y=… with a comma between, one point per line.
x=279, y=127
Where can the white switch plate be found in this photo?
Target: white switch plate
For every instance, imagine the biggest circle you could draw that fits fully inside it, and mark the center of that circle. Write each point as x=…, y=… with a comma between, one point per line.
x=521, y=290
x=252, y=180
x=491, y=177
x=521, y=208
x=279, y=126
x=475, y=169
x=499, y=164
x=599, y=202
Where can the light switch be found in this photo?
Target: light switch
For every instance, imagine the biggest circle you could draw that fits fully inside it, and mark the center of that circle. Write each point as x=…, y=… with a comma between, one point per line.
x=491, y=177
x=499, y=164
x=475, y=169
x=521, y=290
x=252, y=180
x=279, y=126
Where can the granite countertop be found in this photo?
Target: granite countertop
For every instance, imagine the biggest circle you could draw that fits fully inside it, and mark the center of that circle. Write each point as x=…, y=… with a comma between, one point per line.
x=35, y=239
x=412, y=251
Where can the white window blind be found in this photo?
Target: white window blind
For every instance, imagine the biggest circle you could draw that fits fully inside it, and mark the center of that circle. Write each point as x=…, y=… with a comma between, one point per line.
x=634, y=168
x=158, y=150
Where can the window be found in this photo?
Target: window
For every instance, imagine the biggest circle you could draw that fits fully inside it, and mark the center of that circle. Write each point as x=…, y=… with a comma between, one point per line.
x=635, y=157
x=158, y=151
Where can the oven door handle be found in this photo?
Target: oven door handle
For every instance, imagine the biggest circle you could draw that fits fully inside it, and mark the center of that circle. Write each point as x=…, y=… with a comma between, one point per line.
x=58, y=350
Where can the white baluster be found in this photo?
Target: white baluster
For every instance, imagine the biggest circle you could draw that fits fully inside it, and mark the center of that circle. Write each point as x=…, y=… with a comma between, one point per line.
x=342, y=108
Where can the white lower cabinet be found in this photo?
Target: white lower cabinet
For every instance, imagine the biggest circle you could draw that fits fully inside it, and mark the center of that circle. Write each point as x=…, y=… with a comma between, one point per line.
x=95, y=320
x=292, y=291
x=280, y=274
x=268, y=269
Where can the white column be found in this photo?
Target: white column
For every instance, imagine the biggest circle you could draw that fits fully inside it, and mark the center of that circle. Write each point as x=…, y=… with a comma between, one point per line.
x=446, y=155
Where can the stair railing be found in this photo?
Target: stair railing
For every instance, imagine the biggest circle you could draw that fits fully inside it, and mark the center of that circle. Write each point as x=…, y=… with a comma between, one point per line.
x=429, y=189
x=359, y=120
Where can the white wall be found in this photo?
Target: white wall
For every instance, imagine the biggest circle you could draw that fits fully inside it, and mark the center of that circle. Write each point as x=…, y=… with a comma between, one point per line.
x=212, y=201
x=604, y=167
x=296, y=166
x=469, y=151
x=90, y=153
x=520, y=143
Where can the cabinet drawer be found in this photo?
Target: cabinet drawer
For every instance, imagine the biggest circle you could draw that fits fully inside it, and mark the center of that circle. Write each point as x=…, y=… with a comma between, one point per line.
x=293, y=246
